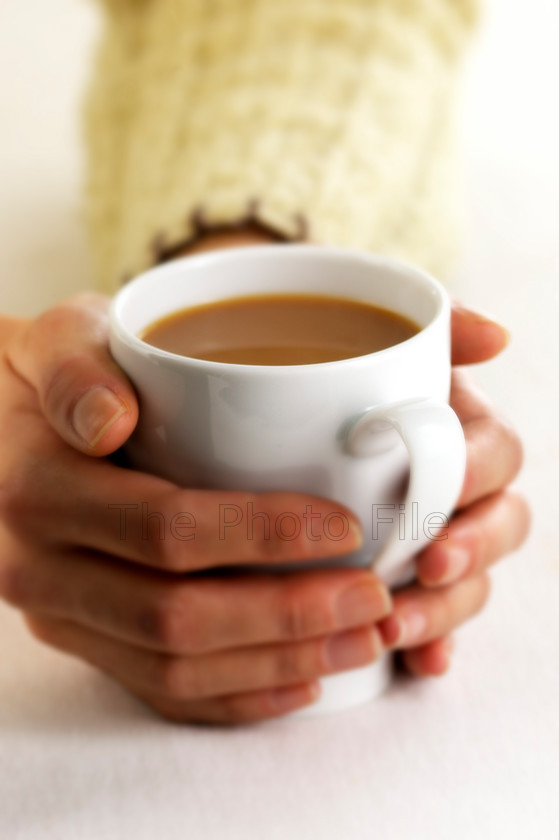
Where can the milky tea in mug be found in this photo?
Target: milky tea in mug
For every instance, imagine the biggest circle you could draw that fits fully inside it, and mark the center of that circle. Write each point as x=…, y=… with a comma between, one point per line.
x=279, y=330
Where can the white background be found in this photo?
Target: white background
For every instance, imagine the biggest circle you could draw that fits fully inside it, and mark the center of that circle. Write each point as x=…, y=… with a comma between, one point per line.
x=473, y=754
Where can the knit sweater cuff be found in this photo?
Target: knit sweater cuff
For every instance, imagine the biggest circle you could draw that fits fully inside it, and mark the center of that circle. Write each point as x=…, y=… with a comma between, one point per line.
x=325, y=121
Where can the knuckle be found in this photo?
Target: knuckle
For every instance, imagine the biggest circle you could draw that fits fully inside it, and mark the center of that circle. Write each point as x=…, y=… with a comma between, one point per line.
x=86, y=301
x=159, y=625
x=174, y=678
x=291, y=616
x=301, y=618
x=297, y=662
x=515, y=447
x=50, y=322
x=169, y=622
x=158, y=544
x=86, y=309
x=502, y=433
x=156, y=548
x=62, y=381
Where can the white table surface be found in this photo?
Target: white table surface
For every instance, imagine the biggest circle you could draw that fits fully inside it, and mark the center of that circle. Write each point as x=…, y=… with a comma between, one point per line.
x=475, y=754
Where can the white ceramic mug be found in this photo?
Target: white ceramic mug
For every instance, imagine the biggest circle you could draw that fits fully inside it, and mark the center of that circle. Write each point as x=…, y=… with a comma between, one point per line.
x=350, y=429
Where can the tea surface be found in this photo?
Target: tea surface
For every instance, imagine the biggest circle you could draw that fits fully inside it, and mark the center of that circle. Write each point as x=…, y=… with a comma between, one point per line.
x=279, y=329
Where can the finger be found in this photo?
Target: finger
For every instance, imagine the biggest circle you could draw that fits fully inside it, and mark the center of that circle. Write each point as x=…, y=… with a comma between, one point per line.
x=422, y=615
x=247, y=707
x=494, y=456
x=148, y=520
x=467, y=398
x=430, y=660
x=193, y=678
x=477, y=537
x=494, y=449
x=242, y=707
x=84, y=395
x=194, y=616
x=475, y=337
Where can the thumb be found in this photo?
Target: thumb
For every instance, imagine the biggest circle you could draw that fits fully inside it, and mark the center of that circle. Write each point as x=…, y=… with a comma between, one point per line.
x=64, y=356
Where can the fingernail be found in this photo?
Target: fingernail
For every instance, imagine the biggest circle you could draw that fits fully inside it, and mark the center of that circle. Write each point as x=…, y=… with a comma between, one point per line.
x=345, y=536
x=293, y=697
x=414, y=624
x=479, y=317
x=349, y=650
x=355, y=535
x=94, y=414
x=392, y=631
x=458, y=561
x=453, y=563
x=362, y=603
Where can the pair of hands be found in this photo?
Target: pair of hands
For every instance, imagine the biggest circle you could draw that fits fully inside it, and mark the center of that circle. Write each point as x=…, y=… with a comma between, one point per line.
x=193, y=644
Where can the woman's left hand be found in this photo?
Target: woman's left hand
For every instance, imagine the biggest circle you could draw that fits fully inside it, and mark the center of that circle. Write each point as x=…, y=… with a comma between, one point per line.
x=491, y=519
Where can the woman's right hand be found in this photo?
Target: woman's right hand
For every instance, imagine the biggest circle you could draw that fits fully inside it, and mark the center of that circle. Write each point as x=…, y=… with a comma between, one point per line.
x=89, y=553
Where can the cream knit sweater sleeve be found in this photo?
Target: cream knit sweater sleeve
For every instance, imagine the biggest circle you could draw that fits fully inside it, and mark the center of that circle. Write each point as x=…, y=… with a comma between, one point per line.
x=329, y=121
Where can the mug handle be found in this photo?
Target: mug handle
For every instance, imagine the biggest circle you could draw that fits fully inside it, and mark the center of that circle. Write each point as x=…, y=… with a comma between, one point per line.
x=435, y=442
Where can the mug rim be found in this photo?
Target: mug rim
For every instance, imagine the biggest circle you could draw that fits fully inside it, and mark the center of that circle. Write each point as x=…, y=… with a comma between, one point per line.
x=120, y=330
